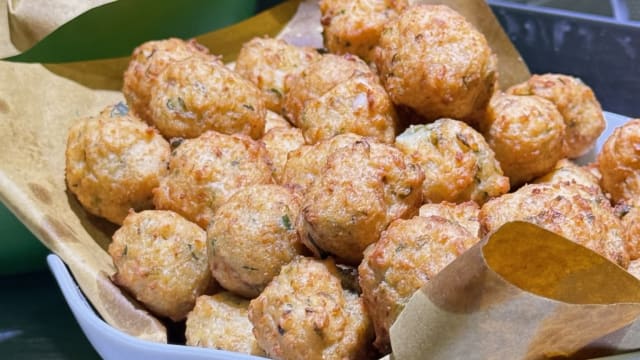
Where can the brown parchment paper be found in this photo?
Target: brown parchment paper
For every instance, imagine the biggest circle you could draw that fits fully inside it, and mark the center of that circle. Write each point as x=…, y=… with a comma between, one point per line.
x=522, y=293
x=38, y=103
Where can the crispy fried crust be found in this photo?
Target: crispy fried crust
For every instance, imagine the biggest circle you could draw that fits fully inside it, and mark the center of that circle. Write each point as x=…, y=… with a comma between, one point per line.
x=304, y=313
x=252, y=236
x=464, y=214
x=434, y=61
x=457, y=162
x=198, y=94
x=222, y=322
x=361, y=189
x=204, y=172
x=113, y=162
x=631, y=225
x=305, y=164
x=279, y=142
x=359, y=105
x=576, y=102
x=619, y=163
x=274, y=120
x=634, y=268
x=526, y=134
x=317, y=79
x=147, y=62
x=568, y=171
x=354, y=27
x=161, y=258
x=268, y=62
x=409, y=253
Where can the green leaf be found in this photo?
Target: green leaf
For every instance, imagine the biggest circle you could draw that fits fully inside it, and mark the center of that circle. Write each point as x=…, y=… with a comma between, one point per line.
x=115, y=29
x=286, y=222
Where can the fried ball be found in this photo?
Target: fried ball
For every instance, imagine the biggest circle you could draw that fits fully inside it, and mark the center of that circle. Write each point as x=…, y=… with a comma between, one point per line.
x=594, y=169
x=267, y=62
x=361, y=189
x=464, y=214
x=355, y=26
x=318, y=78
x=634, y=268
x=161, y=258
x=304, y=313
x=457, y=162
x=576, y=102
x=305, y=164
x=194, y=95
x=279, y=142
x=619, y=163
x=631, y=225
x=567, y=171
x=222, y=322
x=252, y=236
x=204, y=172
x=526, y=133
x=571, y=210
x=147, y=62
x=360, y=106
x=434, y=61
x=274, y=120
x=408, y=255
x=113, y=162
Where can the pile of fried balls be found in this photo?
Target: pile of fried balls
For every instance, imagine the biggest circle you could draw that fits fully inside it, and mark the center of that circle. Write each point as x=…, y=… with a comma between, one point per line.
x=289, y=205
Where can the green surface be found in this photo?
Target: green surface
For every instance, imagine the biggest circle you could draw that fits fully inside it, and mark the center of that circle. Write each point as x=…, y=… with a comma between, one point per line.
x=114, y=29
x=21, y=251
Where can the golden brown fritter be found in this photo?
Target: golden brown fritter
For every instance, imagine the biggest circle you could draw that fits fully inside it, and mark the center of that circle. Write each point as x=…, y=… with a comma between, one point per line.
x=113, y=162
x=318, y=78
x=619, y=163
x=267, y=62
x=147, y=62
x=526, y=133
x=434, y=61
x=361, y=189
x=359, y=105
x=457, y=162
x=464, y=214
x=279, y=142
x=594, y=169
x=274, y=120
x=567, y=171
x=222, y=322
x=570, y=210
x=305, y=164
x=576, y=102
x=161, y=258
x=634, y=268
x=252, y=236
x=304, y=313
x=408, y=255
x=204, y=172
x=631, y=225
x=354, y=27
x=198, y=94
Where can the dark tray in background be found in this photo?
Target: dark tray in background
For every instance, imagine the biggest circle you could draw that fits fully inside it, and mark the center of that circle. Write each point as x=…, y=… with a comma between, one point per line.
x=604, y=51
